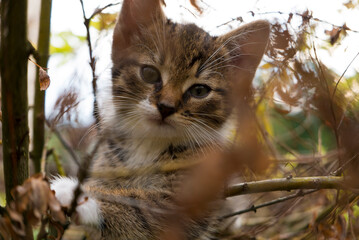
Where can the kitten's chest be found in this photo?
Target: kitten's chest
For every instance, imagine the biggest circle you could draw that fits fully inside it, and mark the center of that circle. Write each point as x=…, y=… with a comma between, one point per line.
x=140, y=153
x=146, y=165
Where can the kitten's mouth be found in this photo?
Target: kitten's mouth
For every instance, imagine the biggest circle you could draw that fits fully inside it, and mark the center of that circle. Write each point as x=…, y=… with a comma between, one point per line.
x=160, y=122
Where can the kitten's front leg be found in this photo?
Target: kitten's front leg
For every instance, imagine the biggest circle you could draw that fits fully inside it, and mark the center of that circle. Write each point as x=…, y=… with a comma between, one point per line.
x=88, y=210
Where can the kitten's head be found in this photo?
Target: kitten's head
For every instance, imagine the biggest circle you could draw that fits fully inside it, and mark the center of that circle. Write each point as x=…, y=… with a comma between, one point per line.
x=173, y=80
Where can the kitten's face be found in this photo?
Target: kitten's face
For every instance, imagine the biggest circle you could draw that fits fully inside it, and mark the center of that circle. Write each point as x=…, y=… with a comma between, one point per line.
x=171, y=84
x=172, y=81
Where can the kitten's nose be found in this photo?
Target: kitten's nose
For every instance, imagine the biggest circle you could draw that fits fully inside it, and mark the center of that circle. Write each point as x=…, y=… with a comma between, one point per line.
x=165, y=110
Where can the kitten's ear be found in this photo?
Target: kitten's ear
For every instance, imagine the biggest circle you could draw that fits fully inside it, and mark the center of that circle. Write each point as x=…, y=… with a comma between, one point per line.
x=247, y=45
x=134, y=15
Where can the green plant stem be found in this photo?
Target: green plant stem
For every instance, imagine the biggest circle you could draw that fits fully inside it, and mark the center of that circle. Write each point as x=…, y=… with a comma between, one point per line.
x=39, y=103
x=14, y=105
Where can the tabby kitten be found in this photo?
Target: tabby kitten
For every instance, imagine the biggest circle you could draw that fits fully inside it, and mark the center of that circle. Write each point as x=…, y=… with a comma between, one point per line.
x=170, y=103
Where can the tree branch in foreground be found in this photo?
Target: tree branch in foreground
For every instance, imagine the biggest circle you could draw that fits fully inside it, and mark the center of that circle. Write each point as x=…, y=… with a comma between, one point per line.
x=270, y=185
x=286, y=184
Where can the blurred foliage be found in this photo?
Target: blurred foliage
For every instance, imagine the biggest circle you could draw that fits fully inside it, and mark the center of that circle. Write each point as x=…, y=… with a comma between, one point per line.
x=66, y=43
x=104, y=21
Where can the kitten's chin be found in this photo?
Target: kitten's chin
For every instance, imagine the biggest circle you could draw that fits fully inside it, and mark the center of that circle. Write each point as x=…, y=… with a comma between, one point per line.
x=154, y=127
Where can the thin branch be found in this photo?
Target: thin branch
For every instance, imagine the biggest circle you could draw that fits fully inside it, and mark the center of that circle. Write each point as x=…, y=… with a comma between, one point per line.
x=59, y=167
x=92, y=64
x=64, y=143
x=286, y=184
x=32, y=51
x=82, y=175
x=92, y=58
x=99, y=10
x=269, y=203
x=346, y=69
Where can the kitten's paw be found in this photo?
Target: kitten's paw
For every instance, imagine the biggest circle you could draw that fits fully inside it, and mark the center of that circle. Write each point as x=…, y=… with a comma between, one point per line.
x=88, y=211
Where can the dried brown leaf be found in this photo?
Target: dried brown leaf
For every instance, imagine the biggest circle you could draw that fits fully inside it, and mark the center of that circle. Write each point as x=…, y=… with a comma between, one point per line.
x=34, y=200
x=349, y=4
x=44, y=79
x=306, y=16
x=65, y=103
x=194, y=4
x=6, y=229
x=334, y=34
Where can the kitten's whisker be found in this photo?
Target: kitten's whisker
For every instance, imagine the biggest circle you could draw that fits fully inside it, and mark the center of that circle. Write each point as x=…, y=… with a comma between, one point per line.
x=211, y=133
x=189, y=137
x=227, y=60
x=206, y=139
x=197, y=137
x=235, y=66
x=222, y=62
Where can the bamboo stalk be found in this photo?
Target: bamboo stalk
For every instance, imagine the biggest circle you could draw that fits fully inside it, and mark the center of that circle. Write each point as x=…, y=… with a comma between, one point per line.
x=14, y=105
x=39, y=103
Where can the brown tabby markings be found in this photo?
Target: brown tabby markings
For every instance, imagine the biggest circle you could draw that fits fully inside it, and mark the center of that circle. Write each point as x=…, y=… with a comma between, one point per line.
x=136, y=207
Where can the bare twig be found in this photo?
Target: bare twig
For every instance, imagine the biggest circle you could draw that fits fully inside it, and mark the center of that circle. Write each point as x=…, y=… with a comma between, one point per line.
x=92, y=64
x=254, y=208
x=99, y=10
x=59, y=167
x=92, y=58
x=44, y=155
x=64, y=143
x=346, y=69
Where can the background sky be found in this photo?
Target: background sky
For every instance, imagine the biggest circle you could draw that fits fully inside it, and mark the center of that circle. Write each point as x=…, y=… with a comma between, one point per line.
x=74, y=72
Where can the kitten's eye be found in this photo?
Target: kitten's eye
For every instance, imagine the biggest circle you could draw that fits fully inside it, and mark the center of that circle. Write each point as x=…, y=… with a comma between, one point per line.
x=150, y=74
x=199, y=91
